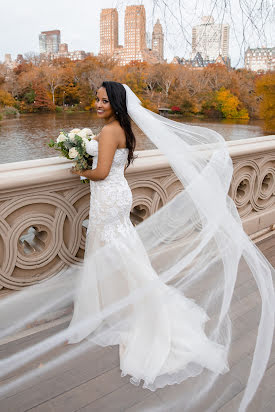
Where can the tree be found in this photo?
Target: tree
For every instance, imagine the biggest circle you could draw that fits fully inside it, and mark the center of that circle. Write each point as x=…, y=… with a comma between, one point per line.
x=166, y=75
x=93, y=71
x=242, y=84
x=6, y=98
x=42, y=101
x=249, y=20
x=217, y=76
x=193, y=90
x=134, y=76
x=151, y=81
x=180, y=99
x=69, y=91
x=229, y=105
x=25, y=81
x=23, y=68
x=29, y=97
x=54, y=79
x=33, y=58
x=3, y=73
x=11, y=84
x=265, y=86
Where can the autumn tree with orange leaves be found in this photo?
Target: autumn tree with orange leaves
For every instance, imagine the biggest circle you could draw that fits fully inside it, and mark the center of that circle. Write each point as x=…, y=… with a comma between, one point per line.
x=265, y=87
x=213, y=91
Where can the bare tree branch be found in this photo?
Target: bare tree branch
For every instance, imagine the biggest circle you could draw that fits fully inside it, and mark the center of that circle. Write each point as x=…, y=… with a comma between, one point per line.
x=248, y=20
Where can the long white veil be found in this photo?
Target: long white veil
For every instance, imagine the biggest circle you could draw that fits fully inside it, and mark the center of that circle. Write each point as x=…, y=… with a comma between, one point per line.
x=196, y=244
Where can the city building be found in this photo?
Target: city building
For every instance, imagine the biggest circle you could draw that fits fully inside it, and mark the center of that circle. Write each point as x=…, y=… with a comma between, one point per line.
x=8, y=62
x=19, y=59
x=63, y=49
x=108, y=31
x=148, y=40
x=199, y=63
x=73, y=55
x=260, y=59
x=134, y=33
x=137, y=44
x=158, y=40
x=210, y=40
x=11, y=64
x=49, y=41
x=51, y=48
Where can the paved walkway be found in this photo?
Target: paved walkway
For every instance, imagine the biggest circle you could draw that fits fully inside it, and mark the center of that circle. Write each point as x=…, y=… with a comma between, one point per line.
x=78, y=387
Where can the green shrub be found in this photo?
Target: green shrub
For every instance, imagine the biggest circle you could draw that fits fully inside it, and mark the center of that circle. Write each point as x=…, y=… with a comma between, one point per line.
x=29, y=97
x=8, y=111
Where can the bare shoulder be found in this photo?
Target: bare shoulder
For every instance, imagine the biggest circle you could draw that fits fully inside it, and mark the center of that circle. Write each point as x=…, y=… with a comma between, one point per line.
x=113, y=127
x=113, y=131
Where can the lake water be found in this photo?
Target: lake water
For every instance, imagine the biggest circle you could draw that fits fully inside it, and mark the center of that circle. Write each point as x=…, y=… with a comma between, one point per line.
x=26, y=137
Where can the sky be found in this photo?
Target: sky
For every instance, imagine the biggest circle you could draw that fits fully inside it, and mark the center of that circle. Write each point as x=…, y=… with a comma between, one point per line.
x=22, y=21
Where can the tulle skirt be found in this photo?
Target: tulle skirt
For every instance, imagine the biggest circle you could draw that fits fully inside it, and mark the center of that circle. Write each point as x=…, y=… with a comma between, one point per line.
x=161, y=335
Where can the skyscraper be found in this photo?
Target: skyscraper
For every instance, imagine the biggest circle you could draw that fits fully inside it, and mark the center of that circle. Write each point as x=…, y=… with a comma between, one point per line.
x=49, y=41
x=108, y=31
x=209, y=39
x=158, y=40
x=134, y=32
x=137, y=46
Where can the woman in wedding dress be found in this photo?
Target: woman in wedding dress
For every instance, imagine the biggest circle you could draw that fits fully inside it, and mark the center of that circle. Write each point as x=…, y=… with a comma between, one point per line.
x=164, y=290
x=153, y=345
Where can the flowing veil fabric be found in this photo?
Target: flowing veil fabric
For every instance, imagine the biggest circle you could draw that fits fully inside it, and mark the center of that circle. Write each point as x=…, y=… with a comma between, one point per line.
x=196, y=245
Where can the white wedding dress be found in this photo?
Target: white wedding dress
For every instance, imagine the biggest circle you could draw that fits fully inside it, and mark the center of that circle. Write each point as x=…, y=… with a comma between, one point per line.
x=166, y=291
x=165, y=333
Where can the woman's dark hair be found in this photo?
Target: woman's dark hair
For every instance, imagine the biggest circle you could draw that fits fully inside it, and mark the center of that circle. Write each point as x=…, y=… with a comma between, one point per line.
x=117, y=97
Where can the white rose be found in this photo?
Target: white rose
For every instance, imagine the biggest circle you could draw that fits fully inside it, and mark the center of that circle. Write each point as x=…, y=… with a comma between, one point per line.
x=82, y=134
x=71, y=137
x=87, y=131
x=61, y=138
x=73, y=153
x=84, y=141
x=75, y=131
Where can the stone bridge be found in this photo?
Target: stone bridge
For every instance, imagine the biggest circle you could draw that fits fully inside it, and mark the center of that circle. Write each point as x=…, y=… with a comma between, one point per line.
x=43, y=215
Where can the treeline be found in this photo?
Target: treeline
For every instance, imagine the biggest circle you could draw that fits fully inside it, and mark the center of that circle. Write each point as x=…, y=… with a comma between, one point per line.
x=214, y=91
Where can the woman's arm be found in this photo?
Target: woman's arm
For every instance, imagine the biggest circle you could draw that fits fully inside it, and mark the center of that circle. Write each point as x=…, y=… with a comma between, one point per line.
x=106, y=150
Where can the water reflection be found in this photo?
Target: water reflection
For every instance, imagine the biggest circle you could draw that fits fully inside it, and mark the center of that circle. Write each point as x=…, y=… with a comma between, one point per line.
x=26, y=137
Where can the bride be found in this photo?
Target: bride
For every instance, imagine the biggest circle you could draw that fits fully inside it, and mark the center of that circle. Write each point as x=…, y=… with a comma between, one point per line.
x=164, y=290
x=141, y=355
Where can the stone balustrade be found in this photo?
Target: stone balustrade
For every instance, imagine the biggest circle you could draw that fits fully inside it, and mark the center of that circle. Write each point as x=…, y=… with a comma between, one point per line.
x=44, y=208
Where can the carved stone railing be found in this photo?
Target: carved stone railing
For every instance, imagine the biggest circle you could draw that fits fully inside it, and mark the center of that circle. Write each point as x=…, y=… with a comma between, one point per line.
x=44, y=208
x=253, y=184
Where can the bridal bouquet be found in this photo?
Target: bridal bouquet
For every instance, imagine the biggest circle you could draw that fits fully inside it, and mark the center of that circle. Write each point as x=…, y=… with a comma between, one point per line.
x=72, y=145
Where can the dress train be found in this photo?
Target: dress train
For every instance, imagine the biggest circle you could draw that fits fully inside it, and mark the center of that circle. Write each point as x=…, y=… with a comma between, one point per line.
x=161, y=335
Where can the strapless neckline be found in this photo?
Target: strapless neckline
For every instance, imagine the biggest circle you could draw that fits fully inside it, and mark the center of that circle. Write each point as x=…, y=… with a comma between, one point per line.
x=122, y=148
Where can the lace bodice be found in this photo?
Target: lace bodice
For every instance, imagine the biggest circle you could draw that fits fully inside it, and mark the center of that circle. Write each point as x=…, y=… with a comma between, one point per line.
x=110, y=202
x=118, y=163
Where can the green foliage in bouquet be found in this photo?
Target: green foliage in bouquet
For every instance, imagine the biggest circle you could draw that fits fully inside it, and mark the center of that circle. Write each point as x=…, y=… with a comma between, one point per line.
x=72, y=146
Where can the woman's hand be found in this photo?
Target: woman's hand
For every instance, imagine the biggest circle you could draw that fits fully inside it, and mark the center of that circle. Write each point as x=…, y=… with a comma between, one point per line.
x=75, y=171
